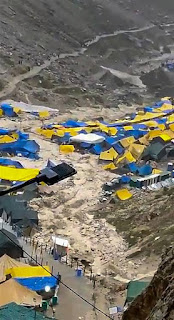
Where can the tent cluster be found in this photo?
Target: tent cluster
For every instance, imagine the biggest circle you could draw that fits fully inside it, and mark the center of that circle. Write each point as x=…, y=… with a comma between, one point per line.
x=147, y=134
x=118, y=143
x=26, y=282
x=10, y=110
x=15, y=142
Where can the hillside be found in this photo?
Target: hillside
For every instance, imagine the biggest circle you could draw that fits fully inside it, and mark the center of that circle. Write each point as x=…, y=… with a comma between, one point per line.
x=38, y=31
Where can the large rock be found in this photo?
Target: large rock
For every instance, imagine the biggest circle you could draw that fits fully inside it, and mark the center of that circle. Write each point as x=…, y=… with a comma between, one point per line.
x=157, y=301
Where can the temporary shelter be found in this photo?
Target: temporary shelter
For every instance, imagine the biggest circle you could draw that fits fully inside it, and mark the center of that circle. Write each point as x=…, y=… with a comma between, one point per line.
x=29, y=271
x=61, y=245
x=91, y=138
x=12, y=291
x=37, y=283
x=7, y=262
x=9, y=245
x=12, y=311
x=123, y=194
x=134, y=289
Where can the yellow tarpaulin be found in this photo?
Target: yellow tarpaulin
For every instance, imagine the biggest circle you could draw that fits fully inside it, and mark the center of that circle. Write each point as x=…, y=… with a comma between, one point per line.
x=165, y=137
x=44, y=114
x=136, y=150
x=156, y=171
x=17, y=110
x=144, y=140
x=110, y=154
x=123, y=194
x=110, y=166
x=127, y=141
x=6, y=139
x=14, y=174
x=28, y=272
x=112, y=131
x=126, y=156
x=154, y=133
x=171, y=126
x=66, y=148
x=128, y=128
x=47, y=133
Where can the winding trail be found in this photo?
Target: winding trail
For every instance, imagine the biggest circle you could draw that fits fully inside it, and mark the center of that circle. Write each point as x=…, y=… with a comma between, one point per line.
x=11, y=86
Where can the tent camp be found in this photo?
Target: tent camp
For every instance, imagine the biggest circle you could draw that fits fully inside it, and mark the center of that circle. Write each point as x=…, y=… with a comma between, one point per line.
x=12, y=311
x=134, y=289
x=11, y=248
x=11, y=291
x=7, y=262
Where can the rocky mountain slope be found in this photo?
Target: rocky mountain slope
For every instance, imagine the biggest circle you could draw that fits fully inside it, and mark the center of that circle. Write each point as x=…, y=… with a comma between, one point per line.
x=36, y=31
x=157, y=301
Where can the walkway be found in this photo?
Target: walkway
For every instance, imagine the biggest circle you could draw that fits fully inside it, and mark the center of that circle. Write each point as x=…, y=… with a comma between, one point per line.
x=70, y=306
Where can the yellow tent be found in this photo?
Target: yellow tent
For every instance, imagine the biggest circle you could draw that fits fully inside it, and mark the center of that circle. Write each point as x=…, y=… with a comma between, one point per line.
x=44, y=114
x=7, y=262
x=136, y=150
x=171, y=126
x=12, y=291
x=66, y=148
x=154, y=133
x=123, y=194
x=165, y=137
x=28, y=271
x=14, y=174
x=127, y=141
x=110, y=154
x=110, y=166
x=6, y=139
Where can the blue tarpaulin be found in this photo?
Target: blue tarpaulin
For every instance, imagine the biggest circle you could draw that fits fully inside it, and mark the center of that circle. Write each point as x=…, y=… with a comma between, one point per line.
x=118, y=148
x=132, y=167
x=27, y=148
x=37, y=283
x=9, y=162
x=125, y=179
x=145, y=170
x=8, y=110
x=97, y=149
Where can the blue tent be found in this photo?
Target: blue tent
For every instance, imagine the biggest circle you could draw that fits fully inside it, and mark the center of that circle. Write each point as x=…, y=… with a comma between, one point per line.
x=125, y=179
x=27, y=148
x=145, y=170
x=117, y=146
x=8, y=110
x=37, y=283
x=132, y=167
x=74, y=124
x=96, y=149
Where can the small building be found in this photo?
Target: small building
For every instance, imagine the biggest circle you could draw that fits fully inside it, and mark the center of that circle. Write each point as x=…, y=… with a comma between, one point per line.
x=140, y=182
x=61, y=246
x=10, y=245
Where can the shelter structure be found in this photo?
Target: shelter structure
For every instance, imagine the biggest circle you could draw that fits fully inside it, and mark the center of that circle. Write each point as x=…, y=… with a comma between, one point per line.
x=7, y=262
x=12, y=291
x=61, y=246
x=10, y=245
x=134, y=289
x=13, y=311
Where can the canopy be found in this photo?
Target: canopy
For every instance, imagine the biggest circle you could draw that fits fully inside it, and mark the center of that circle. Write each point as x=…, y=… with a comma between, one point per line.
x=37, y=283
x=29, y=271
x=88, y=138
x=12, y=291
x=7, y=262
x=12, y=311
x=134, y=289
